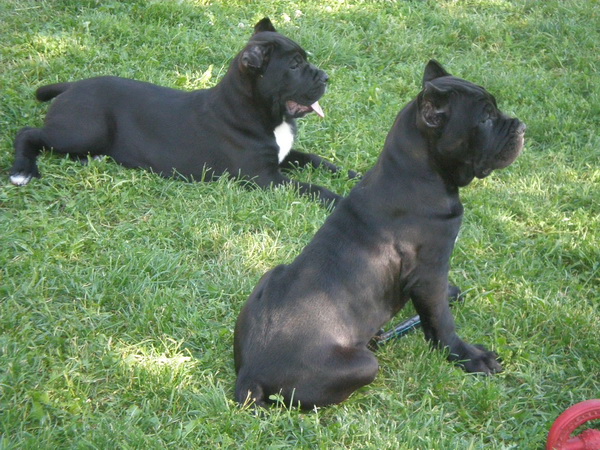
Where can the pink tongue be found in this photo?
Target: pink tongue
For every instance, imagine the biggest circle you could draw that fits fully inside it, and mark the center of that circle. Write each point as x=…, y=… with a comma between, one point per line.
x=317, y=108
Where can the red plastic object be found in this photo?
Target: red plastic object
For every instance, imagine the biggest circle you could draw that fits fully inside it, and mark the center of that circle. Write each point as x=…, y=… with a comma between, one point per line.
x=559, y=437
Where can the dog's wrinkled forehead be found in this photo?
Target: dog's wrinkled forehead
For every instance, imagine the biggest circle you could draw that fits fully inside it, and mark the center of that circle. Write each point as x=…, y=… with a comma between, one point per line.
x=451, y=83
x=277, y=40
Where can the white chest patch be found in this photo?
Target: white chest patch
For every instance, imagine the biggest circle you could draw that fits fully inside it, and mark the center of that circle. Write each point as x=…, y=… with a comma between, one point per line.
x=285, y=139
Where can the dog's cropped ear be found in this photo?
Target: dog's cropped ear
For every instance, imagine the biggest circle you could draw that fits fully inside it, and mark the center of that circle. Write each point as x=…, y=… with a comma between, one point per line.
x=434, y=105
x=255, y=57
x=433, y=70
x=264, y=25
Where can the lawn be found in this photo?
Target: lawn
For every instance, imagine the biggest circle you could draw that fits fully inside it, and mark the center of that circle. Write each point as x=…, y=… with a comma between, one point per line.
x=119, y=289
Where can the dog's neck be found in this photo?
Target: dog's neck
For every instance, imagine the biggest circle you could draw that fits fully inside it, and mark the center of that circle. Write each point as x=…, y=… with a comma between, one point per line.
x=421, y=180
x=241, y=89
x=414, y=160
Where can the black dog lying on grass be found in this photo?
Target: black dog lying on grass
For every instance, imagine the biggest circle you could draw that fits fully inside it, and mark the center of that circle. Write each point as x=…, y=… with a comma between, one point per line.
x=244, y=126
x=304, y=331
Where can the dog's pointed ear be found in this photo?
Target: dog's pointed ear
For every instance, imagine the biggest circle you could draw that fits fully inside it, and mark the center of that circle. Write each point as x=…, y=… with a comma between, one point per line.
x=434, y=105
x=433, y=70
x=264, y=25
x=255, y=57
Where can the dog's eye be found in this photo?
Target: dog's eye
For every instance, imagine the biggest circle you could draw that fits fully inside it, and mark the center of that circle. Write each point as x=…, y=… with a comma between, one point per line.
x=296, y=62
x=488, y=114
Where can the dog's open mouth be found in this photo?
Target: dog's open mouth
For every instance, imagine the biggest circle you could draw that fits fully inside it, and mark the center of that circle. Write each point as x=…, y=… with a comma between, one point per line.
x=297, y=110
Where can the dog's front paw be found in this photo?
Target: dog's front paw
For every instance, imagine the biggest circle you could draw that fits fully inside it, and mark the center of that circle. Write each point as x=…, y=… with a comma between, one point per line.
x=480, y=360
x=353, y=174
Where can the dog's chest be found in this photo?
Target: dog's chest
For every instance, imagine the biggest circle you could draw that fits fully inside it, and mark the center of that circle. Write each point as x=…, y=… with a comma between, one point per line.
x=284, y=135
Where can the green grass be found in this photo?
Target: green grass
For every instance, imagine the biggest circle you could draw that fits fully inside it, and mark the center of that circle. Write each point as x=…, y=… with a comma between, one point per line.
x=119, y=290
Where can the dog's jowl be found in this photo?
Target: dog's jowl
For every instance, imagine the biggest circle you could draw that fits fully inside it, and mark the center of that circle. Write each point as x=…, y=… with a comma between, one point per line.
x=304, y=331
x=244, y=126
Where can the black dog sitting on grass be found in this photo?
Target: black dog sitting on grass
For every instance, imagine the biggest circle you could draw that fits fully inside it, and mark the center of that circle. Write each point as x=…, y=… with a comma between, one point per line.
x=304, y=331
x=244, y=126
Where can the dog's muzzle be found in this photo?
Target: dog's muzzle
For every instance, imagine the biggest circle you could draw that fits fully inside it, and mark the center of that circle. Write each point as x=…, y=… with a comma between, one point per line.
x=510, y=149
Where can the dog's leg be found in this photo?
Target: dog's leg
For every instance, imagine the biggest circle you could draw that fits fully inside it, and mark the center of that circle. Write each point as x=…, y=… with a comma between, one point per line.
x=249, y=392
x=339, y=372
x=79, y=137
x=404, y=327
x=430, y=301
x=28, y=145
x=296, y=158
x=326, y=196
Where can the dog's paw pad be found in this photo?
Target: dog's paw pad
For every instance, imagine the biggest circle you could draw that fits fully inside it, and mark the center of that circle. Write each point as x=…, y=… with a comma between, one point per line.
x=20, y=179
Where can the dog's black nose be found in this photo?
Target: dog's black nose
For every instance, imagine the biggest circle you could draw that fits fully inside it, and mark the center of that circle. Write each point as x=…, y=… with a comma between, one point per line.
x=324, y=77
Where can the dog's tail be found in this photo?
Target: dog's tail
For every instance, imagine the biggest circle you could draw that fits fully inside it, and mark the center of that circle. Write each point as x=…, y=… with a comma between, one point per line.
x=48, y=92
x=249, y=392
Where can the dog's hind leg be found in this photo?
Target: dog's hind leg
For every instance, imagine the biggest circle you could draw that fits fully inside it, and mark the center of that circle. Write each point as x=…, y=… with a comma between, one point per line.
x=78, y=139
x=249, y=392
x=28, y=144
x=343, y=371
